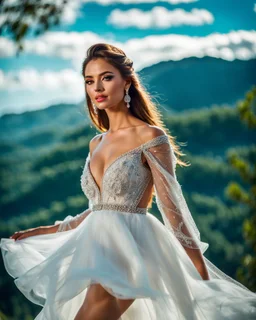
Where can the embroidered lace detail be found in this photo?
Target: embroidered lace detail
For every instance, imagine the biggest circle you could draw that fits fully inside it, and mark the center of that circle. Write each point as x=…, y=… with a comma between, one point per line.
x=125, y=179
x=155, y=141
x=118, y=207
x=86, y=180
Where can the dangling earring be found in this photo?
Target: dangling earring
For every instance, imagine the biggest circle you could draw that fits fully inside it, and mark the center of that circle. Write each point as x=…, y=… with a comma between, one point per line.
x=95, y=108
x=127, y=98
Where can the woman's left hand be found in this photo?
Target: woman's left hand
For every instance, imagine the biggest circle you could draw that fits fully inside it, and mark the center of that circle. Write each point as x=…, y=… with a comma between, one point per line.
x=18, y=235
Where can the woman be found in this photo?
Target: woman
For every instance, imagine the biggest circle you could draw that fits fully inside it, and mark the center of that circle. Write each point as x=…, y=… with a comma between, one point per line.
x=115, y=260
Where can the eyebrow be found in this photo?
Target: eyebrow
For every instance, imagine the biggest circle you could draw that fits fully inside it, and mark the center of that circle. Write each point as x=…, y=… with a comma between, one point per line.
x=100, y=74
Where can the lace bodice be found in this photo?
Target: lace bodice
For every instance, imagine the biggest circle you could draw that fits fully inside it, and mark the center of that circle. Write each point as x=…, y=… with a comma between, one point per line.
x=123, y=182
x=126, y=179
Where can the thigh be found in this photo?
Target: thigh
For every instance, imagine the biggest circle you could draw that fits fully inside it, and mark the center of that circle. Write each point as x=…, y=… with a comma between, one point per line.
x=96, y=293
x=124, y=304
x=98, y=304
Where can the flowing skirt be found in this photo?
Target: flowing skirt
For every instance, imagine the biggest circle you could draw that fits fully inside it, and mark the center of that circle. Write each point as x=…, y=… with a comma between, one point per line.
x=133, y=256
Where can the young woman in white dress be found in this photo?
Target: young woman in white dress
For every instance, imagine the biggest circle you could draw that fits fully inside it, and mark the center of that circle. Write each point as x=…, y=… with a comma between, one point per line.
x=115, y=260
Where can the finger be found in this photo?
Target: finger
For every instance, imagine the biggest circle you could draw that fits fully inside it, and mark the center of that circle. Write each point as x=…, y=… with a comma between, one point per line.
x=19, y=232
x=17, y=235
x=14, y=236
x=24, y=234
x=20, y=237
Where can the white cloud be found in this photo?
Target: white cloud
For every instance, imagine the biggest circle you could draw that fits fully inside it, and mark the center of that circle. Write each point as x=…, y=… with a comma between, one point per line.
x=71, y=10
x=29, y=89
x=33, y=80
x=7, y=48
x=152, y=49
x=62, y=44
x=145, y=51
x=36, y=88
x=110, y=2
x=159, y=17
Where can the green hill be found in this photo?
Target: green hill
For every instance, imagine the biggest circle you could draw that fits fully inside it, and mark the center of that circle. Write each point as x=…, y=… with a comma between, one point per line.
x=193, y=83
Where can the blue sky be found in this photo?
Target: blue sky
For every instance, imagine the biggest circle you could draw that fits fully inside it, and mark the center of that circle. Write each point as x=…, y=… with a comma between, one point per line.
x=149, y=31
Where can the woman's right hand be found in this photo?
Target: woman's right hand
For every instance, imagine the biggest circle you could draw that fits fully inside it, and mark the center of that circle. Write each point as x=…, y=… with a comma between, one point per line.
x=18, y=235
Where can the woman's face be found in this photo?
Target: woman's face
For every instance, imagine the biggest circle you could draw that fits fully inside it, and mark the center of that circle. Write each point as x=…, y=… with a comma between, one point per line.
x=104, y=84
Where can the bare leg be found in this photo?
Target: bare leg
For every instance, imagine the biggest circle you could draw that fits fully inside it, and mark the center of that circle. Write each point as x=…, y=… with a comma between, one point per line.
x=101, y=305
x=124, y=304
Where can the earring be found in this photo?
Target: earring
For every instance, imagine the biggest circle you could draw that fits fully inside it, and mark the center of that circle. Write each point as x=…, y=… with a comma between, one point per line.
x=95, y=108
x=127, y=98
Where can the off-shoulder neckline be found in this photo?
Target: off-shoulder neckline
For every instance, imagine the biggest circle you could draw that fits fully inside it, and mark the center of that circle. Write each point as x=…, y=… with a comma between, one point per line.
x=141, y=146
x=138, y=147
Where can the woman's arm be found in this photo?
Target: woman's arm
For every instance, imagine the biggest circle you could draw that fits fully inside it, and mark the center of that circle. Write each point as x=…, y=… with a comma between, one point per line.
x=61, y=226
x=198, y=261
x=18, y=235
x=171, y=202
x=69, y=222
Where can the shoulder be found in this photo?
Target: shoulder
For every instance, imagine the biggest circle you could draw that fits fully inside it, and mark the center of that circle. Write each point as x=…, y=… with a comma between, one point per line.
x=151, y=132
x=94, y=142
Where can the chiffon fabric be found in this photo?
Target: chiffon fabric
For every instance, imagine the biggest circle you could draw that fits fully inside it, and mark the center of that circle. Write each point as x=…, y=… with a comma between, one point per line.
x=127, y=250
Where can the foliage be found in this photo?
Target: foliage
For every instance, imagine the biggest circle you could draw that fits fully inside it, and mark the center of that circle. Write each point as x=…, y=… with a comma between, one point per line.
x=22, y=17
x=246, y=167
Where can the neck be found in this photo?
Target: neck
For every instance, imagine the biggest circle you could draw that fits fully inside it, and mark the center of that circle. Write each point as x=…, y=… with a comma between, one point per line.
x=120, y=118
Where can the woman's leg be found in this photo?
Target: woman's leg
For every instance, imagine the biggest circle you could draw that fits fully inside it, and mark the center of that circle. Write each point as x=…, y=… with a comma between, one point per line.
x=101, y=305
x=124, y=304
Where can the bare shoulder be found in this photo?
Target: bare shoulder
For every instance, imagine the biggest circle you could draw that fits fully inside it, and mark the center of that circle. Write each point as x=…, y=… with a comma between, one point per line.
x=151, y=132
x=94, y=142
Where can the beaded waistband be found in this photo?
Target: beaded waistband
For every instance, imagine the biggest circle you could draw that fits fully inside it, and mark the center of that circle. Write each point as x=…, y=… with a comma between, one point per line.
x=118, y=207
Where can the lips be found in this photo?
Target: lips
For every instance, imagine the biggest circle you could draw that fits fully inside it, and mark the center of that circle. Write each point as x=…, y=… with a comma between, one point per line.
x=101, y=98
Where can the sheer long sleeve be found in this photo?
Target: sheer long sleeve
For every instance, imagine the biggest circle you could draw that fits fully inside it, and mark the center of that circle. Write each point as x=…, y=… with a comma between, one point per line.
x=172, y=205
x=71, y=222
x=169, y=198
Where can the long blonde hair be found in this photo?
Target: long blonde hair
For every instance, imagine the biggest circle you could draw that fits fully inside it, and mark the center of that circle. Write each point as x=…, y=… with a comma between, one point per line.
x=141, y=106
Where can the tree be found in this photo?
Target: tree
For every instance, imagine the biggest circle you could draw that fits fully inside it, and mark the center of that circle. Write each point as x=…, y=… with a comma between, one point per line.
x=246, y=167
x=20, y=17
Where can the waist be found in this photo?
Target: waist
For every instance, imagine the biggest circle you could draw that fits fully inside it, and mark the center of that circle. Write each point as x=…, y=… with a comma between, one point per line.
x=118, y=207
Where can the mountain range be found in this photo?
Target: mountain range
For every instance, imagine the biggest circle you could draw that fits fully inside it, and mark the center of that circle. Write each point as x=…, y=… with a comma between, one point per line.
x=176, y=86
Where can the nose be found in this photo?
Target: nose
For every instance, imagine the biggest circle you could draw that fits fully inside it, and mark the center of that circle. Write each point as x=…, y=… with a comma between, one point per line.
x=98, y=86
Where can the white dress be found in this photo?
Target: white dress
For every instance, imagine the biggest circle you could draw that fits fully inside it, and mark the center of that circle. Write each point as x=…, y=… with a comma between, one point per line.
x=127, y=250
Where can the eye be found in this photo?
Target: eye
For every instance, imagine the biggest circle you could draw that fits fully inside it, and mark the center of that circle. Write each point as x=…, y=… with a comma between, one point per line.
x=108, y=77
